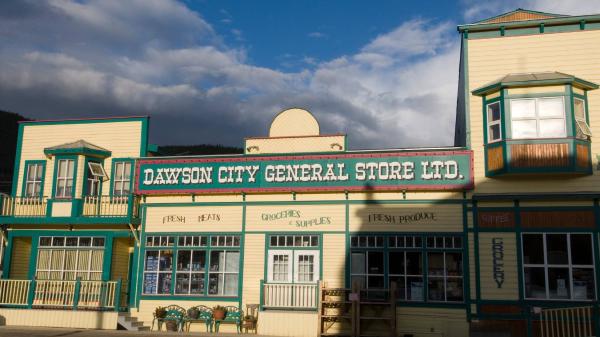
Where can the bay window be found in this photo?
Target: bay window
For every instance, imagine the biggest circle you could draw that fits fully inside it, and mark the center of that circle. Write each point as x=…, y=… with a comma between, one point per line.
x=583, y=129
x=558, y=266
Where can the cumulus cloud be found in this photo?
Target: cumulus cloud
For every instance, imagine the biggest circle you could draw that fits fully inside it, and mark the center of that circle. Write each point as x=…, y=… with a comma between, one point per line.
x=477, y=10
x=66, y=58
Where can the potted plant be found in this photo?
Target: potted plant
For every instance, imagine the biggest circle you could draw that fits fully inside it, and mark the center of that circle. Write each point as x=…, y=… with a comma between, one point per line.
x=160, y=312
x=193, y=313
x=172, y=325
x=219, y=312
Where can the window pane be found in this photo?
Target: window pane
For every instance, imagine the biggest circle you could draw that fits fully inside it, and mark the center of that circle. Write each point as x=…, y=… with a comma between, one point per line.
x=213, y=284
x=579, y=109
x=583, y=284
x=414, y=263
x=556, y=245
x=533, y=249
x=358, y=263
x=396, y=263
x=535, y=282
x=233, y=262
x=182, y=283
x=231, y=284
x=70, y=168
x=581, y=249
x=184, y=260
x=151, y=260
x=375, y=282
x=454, y=264
x=199, y=260
x=493, y=112
x=558, y=279
x=550, y=107
x=217, y=259
x=166, y=260
x=494, y=132
x=400, y=286
x=414, y=288
x=164, y=283
x=436, y=289
x=524, y=129
x=150, y=280
x=454, y=289
x=197, y=284
x=436, y=264
x=361, y=281
x=552, y=128
x=127, y=171
x=522, y=108
x=375, y=262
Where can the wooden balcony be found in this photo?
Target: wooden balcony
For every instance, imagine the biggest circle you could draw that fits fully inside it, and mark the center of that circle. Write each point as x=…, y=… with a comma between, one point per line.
x=23, y=206
x=560, y=156
x=110, y=206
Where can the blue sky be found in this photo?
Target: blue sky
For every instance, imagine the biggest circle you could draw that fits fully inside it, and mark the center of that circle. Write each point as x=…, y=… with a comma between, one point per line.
x=384, y=72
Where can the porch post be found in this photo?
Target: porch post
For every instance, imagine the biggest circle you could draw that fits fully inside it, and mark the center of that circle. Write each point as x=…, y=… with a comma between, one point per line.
x=118, y=295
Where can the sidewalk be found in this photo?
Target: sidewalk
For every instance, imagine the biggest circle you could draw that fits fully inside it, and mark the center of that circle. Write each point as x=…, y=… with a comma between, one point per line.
x=13, y=331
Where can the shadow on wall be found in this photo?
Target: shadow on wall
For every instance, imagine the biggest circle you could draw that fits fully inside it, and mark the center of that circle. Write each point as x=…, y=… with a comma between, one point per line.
x=2, y=320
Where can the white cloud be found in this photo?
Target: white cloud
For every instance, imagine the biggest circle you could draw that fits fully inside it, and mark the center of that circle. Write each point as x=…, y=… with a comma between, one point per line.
x=158, y=57
x=477, y=10
x=317, y=35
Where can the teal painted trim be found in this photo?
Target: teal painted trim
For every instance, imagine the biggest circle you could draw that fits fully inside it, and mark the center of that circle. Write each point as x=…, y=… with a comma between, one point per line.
x=84, y=151
x=33, y=257
x=300, y=202
x=541, y=28
x=72, y=220
x=570, y=115
x=107, y=258
x=54, y=185
x=144, y=137
x=536, y=95
x=86, y=121
x=534, y=83
x=112, y=173
x=26, y=175
x=15, y=178
x=140, y=264
x=7, y=255
x=466, y=259
x=188, y=298
x=347, y=280
x=279, y=232
x=520, y=276
x=36, y=233
x=476, y=253
x=466, y=89
x=242, y=254
x=118, y=295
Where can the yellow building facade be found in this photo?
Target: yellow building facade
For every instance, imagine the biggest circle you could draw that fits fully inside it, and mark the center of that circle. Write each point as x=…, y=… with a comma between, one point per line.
x=497, y=233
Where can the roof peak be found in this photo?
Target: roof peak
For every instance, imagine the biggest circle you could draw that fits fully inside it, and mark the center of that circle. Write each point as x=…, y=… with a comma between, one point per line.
x=520, y=14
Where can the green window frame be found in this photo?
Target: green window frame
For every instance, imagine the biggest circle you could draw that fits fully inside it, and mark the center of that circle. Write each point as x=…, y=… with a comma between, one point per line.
x=293, y=258
x=121, y=177
x=494, y=122
x=33, y=178
x=87, y=180
x=70, y=257
x=192, y=265
x=64, y=178
x=426, y=268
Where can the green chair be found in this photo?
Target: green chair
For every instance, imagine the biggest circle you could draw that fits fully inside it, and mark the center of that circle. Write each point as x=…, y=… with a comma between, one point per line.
x=233, y=315
x=204, y=316
x=174, y=313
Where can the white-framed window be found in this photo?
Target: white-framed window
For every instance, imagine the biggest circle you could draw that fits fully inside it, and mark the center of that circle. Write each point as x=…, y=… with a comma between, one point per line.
x=558, y=266
x=583, y=129
x=64, y=178
x=122, y=178
x=293, y=259
x=34, y=179
x=542, y=117
x=69, y=258
x=158, y=269
x=494, y=130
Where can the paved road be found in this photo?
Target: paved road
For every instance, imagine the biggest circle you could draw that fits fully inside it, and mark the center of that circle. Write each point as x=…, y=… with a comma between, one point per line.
x=13, y=331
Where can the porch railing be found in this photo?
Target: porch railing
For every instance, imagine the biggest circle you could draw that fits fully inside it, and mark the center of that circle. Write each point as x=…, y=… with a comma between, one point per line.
x=289, y=296
x=23, y=206
x=567, y=322
x=91, y=295
x=110, y=206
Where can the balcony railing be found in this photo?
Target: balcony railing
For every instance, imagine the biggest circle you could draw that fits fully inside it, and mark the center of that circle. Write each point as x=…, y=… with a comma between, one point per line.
x=289, y=296
x=89, y=206
x=91, y=295
x=23, y=206
x=110, y=206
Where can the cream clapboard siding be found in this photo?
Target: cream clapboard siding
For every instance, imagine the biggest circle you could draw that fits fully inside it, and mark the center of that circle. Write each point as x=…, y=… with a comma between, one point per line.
x=431, y=322
x=447, y=218
x=81, y=319
x=334, y=260
x=288, y=323
x=254, y=265
x=197, y=219
x=312, y=218
x=572, y=53
x=409, y=195
x=320, y=196
x=122, y=138
x=21, y=255
x=296, y=144
x=509, y=290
